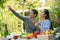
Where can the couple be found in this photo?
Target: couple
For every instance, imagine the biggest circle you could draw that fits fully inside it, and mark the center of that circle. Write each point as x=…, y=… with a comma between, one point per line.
x=31, y=24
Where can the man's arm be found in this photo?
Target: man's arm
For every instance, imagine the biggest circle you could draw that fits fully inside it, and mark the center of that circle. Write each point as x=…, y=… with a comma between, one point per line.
x=16, y=14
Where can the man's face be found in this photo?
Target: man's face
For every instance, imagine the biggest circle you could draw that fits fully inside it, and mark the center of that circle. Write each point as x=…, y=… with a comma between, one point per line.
x=31, y=14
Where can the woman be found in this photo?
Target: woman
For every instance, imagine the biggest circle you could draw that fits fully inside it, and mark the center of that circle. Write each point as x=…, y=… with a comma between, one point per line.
x=45, y=23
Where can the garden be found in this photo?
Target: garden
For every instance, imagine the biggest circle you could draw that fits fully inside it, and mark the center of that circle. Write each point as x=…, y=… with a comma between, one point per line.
x=11, y=24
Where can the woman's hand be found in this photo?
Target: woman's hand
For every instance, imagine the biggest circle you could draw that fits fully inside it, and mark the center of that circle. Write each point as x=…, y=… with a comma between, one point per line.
x=36, y=24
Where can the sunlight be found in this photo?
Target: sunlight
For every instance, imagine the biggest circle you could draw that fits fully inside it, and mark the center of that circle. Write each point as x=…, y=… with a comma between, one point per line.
x=42, y=2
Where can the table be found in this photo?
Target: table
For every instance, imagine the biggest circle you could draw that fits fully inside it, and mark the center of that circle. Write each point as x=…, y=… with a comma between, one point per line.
x=56, y=38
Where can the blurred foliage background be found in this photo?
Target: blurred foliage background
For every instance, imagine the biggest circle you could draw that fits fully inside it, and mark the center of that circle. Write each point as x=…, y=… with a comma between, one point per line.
x=10, y=23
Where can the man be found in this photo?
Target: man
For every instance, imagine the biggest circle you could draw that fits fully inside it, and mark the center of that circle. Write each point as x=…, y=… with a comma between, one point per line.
x=29, y=21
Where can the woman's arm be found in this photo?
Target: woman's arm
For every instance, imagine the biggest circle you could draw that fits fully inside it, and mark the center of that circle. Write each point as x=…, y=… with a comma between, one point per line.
x=45, y=26
x=38, y=25
x=40, y=28
x=16, y=14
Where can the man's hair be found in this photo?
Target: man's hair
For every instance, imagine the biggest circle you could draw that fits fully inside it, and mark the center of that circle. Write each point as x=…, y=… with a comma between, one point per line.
x=35, y=12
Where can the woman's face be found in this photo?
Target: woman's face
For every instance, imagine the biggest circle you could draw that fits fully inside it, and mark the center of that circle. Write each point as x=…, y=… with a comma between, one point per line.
x=31, y=14
x=42, y=14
